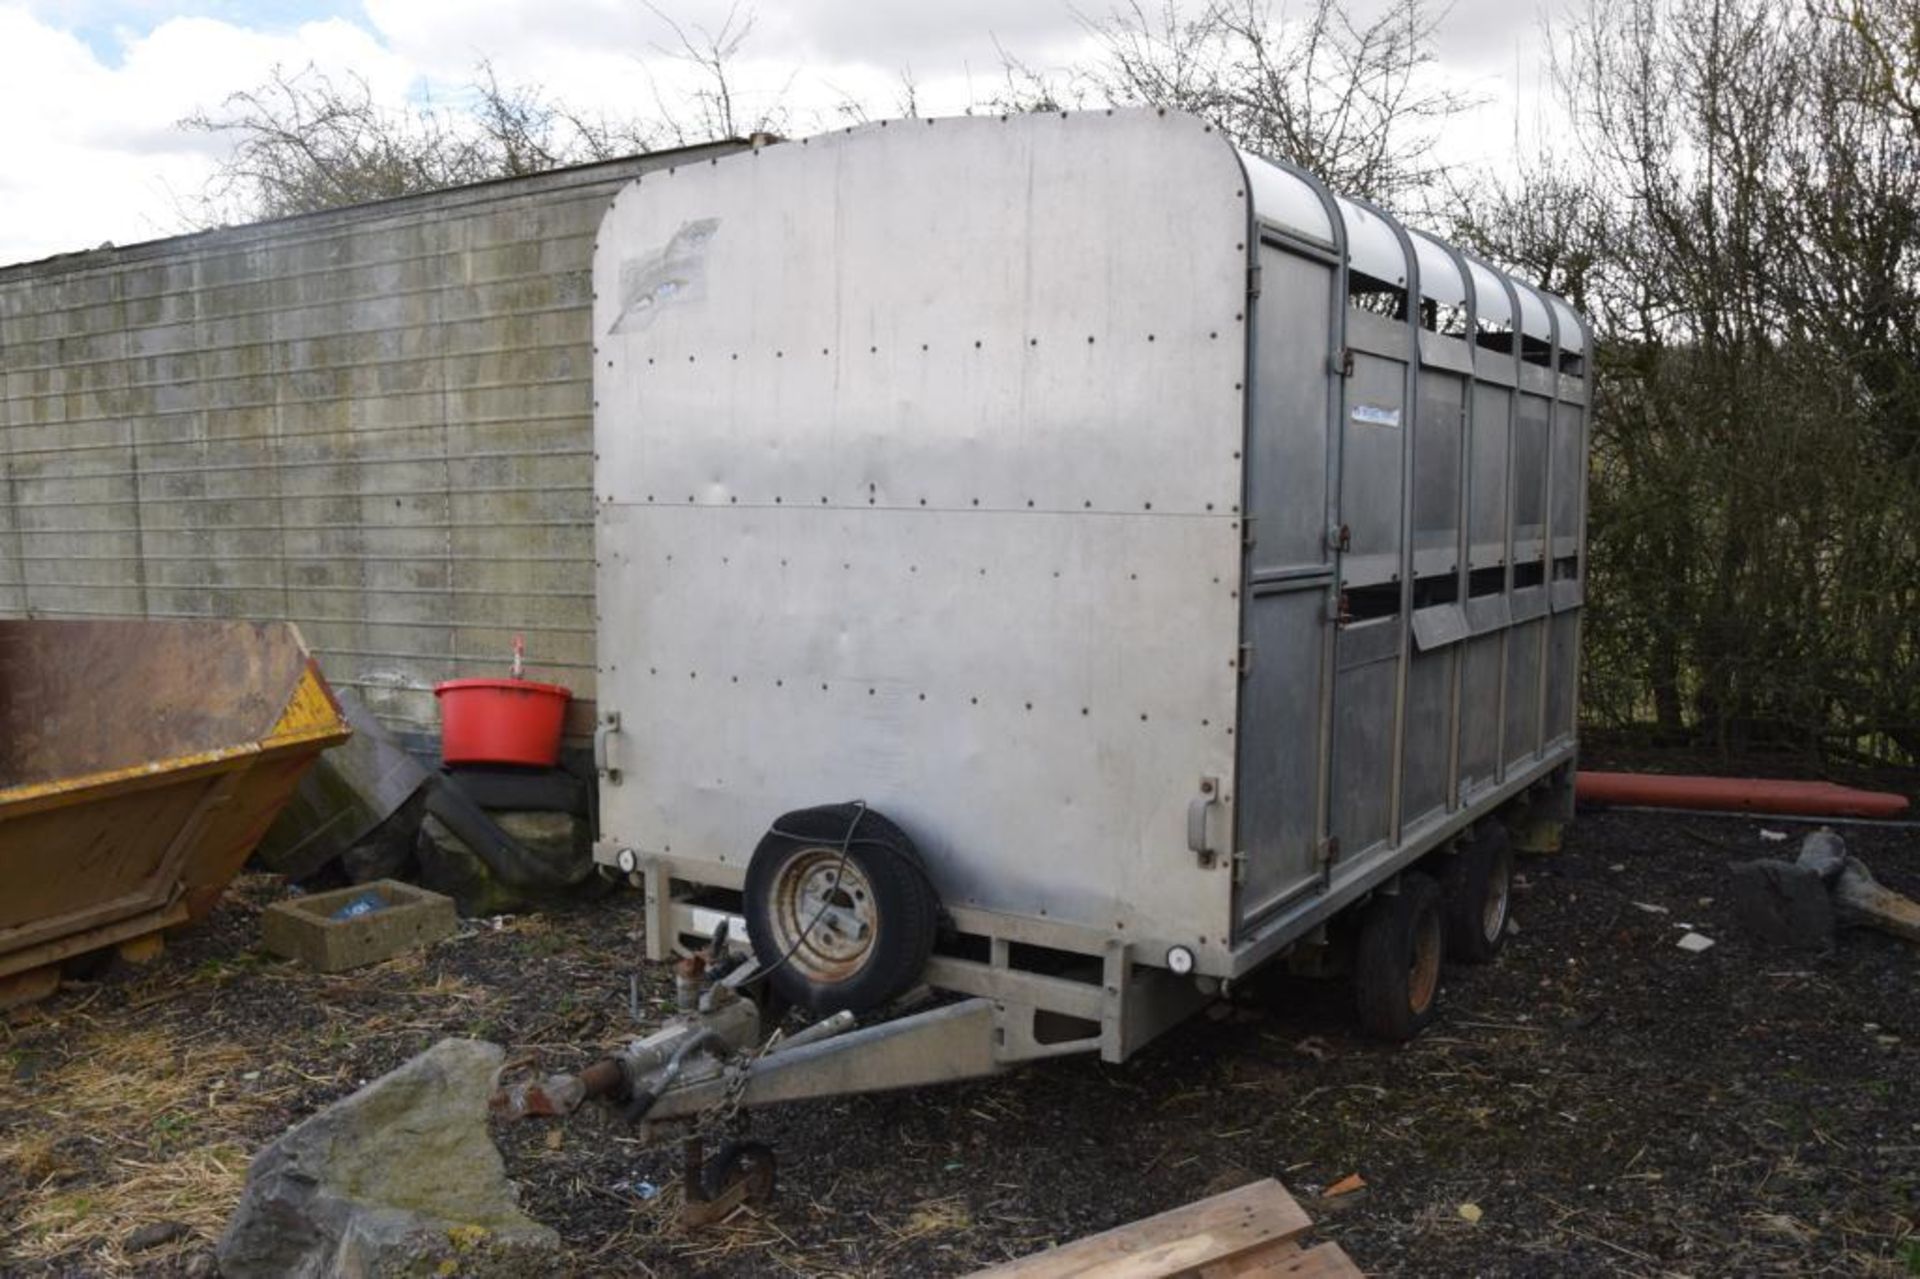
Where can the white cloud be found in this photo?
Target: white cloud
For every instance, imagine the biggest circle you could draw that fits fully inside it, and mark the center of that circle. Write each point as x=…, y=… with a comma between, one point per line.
x=93, y=151
x=91, y=90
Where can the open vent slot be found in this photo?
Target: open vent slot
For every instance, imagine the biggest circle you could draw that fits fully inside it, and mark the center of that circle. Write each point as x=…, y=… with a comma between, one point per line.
x=1449, y=320
x=1377, y=297
x=1436, y=588
x=1370, y=603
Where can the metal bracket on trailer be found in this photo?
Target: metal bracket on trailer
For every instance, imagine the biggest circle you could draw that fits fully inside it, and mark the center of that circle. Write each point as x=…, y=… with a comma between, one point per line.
x=942, y=1045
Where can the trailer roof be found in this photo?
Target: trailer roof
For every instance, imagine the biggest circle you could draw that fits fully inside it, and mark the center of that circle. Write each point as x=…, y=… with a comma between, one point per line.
x=1490, y=296
x=1440, y=277
x=1296, y=202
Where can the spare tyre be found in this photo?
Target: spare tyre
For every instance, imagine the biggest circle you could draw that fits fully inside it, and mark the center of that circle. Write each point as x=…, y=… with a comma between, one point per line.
x=839, y=911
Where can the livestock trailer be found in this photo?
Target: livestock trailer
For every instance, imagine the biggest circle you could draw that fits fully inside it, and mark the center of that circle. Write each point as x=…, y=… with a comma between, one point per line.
x=1067, y=562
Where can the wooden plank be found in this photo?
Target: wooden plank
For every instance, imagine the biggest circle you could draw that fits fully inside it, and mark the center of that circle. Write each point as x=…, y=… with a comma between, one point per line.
x=1248, y=1265
x=1285, y=1261
x=1173, y=1242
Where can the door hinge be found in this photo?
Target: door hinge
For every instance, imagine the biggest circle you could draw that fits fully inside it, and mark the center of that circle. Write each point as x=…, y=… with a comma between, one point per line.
x=1239, y=866
x=1340, y=537
x=1253, y=280
x=1343, y=364
x=1246, y=660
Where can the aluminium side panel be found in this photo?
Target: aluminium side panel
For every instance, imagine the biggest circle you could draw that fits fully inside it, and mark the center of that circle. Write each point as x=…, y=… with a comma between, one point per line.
x=1437, y=451
x=1438, y=492
x=918, y=482
x=1487, y=464
x=1483, y=659
x=1527, y=640
x=1371, y=449
x=1567, y=570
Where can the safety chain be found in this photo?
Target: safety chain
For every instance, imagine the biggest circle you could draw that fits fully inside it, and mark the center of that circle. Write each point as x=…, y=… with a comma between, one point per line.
x=719, y=1118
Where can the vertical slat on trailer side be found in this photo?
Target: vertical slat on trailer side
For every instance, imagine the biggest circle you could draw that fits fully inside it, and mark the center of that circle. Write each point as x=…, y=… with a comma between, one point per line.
x=1567, y=518
x=1403, y=619
x=1441, y=486
x=1556, y=416
x=1487, y=608
x=1526, y=648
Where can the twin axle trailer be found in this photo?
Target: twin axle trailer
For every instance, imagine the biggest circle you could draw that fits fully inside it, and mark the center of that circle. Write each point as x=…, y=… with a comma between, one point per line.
x=1064, y=562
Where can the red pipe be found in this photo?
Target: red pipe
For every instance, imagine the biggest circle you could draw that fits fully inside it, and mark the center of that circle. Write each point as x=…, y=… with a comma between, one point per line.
x=1735, y=794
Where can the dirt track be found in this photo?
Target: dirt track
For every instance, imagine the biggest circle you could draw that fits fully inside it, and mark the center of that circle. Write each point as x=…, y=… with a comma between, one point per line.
x=1607, y=1101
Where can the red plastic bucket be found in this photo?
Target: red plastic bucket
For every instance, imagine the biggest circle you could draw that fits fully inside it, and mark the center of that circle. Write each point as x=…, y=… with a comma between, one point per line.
x=501, y=721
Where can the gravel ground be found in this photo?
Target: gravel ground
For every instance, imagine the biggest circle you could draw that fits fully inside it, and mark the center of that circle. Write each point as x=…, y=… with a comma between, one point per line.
x=1606, y=1101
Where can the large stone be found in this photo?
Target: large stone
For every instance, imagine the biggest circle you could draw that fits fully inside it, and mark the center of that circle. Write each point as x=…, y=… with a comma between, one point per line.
x=1783, y=904
x=400, y=1178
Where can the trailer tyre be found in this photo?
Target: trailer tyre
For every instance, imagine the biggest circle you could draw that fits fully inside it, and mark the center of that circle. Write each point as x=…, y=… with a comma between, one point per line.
x=839, y=911
x=1476, y=885
x=1396, y=963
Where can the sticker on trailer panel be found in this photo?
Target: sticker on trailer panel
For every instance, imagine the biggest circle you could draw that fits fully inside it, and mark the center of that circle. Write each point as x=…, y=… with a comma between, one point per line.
x=1375, y=415
x=677, y=273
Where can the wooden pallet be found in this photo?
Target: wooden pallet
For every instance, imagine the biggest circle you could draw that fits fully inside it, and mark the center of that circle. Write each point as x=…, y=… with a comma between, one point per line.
x=1250, y=1233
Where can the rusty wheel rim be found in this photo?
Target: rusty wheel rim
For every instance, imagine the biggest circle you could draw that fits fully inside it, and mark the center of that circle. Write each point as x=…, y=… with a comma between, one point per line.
x=824, y=917
x=1423, y=970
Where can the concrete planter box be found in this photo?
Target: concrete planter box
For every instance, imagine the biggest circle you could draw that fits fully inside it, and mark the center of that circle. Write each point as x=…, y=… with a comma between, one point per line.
x=304, y=929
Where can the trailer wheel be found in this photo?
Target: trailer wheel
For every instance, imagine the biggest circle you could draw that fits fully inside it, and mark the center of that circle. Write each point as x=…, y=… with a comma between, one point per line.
x=1476, y=885
x=838, y=909
x=1396, y=962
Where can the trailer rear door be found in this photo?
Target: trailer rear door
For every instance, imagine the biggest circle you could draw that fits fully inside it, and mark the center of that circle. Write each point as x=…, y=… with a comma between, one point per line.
x=1286, y=706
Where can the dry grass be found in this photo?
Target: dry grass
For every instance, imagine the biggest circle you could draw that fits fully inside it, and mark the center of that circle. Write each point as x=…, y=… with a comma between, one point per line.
x=197, y=1186
x=142, y=1100
x=136, y=1126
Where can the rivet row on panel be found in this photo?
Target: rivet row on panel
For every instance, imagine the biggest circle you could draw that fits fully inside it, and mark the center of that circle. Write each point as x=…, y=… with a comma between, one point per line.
x=780, y=353
x=779, y=499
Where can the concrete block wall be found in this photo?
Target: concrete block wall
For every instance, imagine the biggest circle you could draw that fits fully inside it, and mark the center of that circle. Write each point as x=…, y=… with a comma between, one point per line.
x=374, y=422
